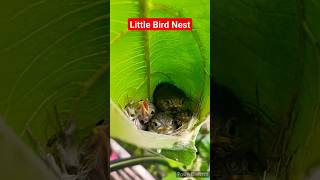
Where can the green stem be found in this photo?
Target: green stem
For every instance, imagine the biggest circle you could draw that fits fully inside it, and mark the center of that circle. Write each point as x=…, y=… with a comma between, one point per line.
x=122, y=163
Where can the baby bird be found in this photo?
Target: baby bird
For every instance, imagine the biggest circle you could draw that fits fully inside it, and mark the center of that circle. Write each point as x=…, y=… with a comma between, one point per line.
x=131, y=111
x=169, y=98
x=146, y=110
x=140, y=113
x=173, y=101
x=162, y=123
x=181, y=118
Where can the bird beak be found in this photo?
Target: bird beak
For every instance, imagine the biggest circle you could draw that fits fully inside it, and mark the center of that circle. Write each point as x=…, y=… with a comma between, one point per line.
x=145, y=107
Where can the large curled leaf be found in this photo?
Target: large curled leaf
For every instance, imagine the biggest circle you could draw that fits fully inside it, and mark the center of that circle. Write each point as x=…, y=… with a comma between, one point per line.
x=53, y=53
x=140, y=60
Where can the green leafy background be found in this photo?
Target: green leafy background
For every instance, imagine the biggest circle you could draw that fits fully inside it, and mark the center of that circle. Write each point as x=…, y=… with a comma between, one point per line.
x=267, y=52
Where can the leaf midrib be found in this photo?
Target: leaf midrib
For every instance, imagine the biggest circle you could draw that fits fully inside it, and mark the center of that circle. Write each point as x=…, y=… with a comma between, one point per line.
x=146, y=43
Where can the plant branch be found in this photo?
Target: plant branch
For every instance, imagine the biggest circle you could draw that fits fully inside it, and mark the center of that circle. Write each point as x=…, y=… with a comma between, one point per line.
x=122, y=163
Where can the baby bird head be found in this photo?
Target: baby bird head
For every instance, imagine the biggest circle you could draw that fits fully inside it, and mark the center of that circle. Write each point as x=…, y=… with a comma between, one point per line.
x=146, y=110
x=131, y=111
x=162, y=123
x=173, y=104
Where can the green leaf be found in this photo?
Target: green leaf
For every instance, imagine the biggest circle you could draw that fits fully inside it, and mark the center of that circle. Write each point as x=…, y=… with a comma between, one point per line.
x=185, y=156
x=17, y=160
x=53, y=54
x=204, y=147
x=140, y=60
x=171, y=175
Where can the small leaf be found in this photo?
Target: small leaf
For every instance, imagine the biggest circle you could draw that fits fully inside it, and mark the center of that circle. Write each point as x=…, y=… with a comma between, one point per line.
x=185, y=156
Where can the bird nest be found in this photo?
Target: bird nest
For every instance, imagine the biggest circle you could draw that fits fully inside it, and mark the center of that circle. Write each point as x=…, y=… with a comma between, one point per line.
x=168, y=113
